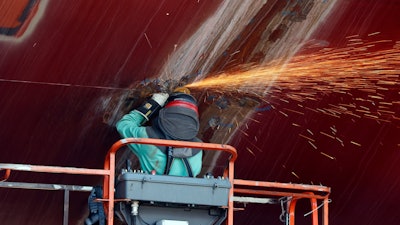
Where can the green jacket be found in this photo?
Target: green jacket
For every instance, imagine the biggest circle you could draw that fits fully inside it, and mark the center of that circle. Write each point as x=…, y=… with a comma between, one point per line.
x=151, y=157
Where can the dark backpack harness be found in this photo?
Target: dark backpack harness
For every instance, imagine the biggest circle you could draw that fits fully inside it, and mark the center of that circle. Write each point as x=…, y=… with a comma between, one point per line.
x=174, y=152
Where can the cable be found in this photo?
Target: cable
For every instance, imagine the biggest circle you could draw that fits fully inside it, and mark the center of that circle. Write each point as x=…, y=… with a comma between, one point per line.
x=141, y=220
x=283, y=200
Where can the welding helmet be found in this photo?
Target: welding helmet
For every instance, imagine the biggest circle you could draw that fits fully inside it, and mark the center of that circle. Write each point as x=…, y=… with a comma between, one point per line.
x=179, y=119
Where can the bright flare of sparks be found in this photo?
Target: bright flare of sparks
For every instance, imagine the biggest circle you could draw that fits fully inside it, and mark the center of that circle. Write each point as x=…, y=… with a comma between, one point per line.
x=344, y=85
x=363, y=72
x=355, y=66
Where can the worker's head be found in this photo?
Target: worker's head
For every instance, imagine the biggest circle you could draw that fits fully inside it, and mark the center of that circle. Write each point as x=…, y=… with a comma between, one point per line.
x=179, y=119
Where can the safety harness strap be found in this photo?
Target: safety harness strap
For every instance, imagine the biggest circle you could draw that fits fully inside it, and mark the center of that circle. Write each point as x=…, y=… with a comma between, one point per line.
x=170, y=159
x=169, y=151
x=188, y=167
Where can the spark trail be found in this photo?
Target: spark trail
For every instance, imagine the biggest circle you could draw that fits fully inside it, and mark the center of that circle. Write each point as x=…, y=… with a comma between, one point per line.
x=360, y=67
x=328, y=96
x=332, y=69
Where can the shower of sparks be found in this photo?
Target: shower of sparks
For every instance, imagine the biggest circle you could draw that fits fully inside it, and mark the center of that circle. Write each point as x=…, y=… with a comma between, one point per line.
x=359, y=81
x=341, y=69
x=360, y=67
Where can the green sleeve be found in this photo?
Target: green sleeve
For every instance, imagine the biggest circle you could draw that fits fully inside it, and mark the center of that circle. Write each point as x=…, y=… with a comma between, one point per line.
x=150, y=157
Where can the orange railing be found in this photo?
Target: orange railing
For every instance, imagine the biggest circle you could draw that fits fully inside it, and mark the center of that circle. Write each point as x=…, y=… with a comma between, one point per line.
x=109, y=165
x=293, y=191
x=296, y=191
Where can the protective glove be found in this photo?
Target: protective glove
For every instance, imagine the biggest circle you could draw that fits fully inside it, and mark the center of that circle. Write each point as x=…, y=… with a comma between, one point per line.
x=160, y=98
x=151, y=107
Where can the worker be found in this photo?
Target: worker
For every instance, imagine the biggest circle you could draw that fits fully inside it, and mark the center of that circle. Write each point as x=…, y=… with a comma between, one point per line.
x=178, y=120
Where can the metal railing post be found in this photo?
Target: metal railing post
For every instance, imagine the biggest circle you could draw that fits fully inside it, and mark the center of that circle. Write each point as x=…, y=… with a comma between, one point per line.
x=66, y=207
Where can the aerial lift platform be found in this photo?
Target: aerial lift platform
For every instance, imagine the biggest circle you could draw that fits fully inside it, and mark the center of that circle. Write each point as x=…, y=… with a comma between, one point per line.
x=142, y=198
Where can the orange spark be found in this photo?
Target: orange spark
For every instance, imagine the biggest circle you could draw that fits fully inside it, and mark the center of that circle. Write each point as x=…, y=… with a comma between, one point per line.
x=323, y=71
x=367, y=68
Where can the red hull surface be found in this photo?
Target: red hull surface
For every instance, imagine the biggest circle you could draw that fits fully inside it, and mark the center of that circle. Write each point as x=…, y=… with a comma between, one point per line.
x=68, y=69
